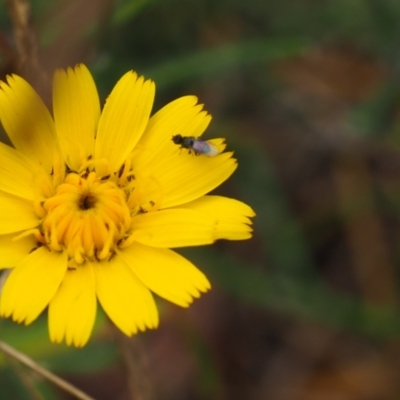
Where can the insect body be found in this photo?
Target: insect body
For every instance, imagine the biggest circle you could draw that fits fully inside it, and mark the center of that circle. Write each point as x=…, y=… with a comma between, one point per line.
x=197, y=145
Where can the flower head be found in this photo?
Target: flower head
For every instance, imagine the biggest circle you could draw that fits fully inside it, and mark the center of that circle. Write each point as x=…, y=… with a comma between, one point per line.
x=92, y=202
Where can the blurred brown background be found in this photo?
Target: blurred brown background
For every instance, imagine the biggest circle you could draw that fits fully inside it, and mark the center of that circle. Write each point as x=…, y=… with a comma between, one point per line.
x=307, y=94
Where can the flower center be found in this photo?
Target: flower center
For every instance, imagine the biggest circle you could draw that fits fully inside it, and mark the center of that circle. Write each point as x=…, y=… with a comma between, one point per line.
x=88, y=216
x=87, y=201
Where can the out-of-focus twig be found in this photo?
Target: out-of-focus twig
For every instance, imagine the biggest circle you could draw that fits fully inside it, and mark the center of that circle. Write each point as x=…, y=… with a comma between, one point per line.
x=61, y=383
x=26, y=41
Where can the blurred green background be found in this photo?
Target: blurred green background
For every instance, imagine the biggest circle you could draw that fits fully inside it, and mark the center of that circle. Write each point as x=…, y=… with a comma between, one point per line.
x=307, y=94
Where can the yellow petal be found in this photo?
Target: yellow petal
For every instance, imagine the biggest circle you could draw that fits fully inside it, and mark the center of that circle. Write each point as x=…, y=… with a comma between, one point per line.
x=16, y=214
x=13, y=251
x=72, y=310
x=173, y=228
x=27, y=121
x=182, y=116
x=183, y=176
x=124, y=118
x=16, y=174
x=186, y=177
x=166, y=273
x=125, y=299
x=232, y=215
x=219, y=143
x=32, y=284
x=76, y=109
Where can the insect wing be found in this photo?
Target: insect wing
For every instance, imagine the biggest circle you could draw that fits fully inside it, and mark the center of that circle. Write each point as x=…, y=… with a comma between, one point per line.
x=203, y=147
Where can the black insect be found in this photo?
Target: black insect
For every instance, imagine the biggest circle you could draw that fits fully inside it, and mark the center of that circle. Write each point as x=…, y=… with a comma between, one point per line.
x=197, y=145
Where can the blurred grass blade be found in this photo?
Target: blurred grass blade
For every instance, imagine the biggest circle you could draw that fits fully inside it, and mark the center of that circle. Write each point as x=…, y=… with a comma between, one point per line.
x=126, y=10
x=12, y=387
x=207, y=62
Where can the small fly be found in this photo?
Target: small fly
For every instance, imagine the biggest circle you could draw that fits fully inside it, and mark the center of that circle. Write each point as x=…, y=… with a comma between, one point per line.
x=197, y=145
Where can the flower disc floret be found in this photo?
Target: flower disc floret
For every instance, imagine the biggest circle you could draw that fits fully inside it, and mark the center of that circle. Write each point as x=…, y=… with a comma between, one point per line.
x=87, y=216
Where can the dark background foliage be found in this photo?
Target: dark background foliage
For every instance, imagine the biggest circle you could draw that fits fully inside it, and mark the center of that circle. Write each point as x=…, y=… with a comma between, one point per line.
x=306, y=92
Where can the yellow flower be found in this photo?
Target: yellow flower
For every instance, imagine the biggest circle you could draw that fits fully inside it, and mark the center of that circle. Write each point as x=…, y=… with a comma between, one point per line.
x=92, y=201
